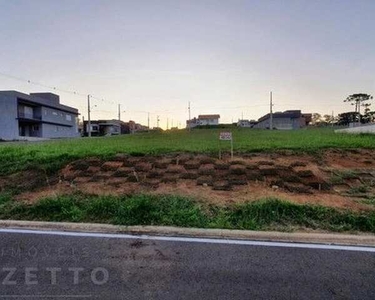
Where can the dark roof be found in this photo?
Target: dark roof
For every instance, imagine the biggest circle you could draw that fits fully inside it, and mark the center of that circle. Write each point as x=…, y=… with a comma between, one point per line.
x=291, y=114
x=202, y=117
x=42, y=100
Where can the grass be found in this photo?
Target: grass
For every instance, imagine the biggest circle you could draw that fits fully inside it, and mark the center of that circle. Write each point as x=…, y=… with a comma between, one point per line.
x=52, y=155
x=340, y=176
x=362, y=189
x=265, y=214
x=5, y=197
x=370, y=201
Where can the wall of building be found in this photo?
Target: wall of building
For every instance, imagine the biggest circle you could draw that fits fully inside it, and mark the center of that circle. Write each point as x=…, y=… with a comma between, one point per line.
x=52, y=98
x=8, y=114
x=286, y=123
x=263, y=124
x=280, y=123
x=209, y=121
x=58, y=116
x=56, y=131
x=111, y=129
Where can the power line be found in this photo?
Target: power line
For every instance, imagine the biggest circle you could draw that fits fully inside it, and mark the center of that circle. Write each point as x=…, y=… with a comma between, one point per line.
x=156, y=112
x=54, y=88
x=94, y=97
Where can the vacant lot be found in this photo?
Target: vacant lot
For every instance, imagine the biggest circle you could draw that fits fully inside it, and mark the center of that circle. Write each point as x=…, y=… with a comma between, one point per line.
x=310, y=178
x=54, y=154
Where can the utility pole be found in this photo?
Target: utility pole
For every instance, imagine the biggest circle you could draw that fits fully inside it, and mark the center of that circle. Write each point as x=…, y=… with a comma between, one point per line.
x=189, y=118
x=119, y=112
x=88, y=115
x=83, y=126
x=157, y=121
x=359, y=113
x=271, y=116
x=148, y=120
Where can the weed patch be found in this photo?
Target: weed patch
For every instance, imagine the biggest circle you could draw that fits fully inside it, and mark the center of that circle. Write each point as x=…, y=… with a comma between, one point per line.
x=53, y=155
x=266, y=214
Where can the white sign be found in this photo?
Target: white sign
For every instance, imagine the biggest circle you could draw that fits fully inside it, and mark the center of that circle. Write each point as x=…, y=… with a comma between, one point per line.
x=225, y=136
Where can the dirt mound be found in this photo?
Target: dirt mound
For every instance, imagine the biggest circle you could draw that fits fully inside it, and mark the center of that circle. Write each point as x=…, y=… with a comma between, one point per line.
x=333, y=178
x=202, y=170
x=27, y=181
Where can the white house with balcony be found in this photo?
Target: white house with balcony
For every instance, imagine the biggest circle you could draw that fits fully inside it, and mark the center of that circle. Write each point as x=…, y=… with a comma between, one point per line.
x=203, y=120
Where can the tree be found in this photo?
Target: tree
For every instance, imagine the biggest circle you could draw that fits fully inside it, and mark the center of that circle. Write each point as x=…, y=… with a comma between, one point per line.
x=316, y=119
x=346, y=118
x=368, y=115
x=358, y=100
x=328, y=119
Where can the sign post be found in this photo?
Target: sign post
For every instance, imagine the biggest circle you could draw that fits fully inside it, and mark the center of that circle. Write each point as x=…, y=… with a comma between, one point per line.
x=226, y=136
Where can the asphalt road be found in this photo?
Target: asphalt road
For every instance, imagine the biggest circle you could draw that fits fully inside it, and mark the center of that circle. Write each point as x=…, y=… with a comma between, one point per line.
x=40, y=266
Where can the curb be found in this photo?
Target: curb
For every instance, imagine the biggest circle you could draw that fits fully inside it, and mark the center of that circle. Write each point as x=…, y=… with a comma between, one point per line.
x=269, y=236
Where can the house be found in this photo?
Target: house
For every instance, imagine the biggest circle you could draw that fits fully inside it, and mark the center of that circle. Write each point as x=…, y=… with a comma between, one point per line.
x=290, y=119
x=132, y=127
x=203, y=120
x=102, y=127
x=35, y=116
x=246, y=123
x=111, y=127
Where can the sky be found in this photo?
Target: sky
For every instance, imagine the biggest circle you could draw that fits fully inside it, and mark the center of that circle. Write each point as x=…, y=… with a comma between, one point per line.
x=223, y=56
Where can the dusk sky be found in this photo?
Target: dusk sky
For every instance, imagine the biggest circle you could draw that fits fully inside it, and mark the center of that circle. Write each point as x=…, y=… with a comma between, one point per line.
x=223, y=56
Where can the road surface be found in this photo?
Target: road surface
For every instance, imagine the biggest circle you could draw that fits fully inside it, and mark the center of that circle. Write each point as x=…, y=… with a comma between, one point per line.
x=56, y=265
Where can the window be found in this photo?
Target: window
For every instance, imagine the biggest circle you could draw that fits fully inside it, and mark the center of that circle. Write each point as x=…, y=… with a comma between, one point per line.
x=55, y=113
x=29, y=111
x=68, y=117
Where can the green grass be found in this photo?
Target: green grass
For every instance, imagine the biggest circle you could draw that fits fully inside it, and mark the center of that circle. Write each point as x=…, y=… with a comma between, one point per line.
x=265, y=214
x=5, y=197
x=369, y=201
x=340, y=176
x=52, y=155
x=362, y=189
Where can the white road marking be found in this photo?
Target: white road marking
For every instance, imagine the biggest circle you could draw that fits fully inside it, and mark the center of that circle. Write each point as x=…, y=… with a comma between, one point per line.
x=47, y=296
x=193, y=240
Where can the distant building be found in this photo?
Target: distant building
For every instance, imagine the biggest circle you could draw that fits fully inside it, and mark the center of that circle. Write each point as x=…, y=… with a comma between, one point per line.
x=203, y=120
x=132, y=127
x=246, y=123
x=102, y=127
x=290, y=119
x=112, y=127
x=38, y=115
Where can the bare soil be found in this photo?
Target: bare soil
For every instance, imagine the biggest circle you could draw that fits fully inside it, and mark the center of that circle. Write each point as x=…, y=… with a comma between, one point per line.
x=331, y=178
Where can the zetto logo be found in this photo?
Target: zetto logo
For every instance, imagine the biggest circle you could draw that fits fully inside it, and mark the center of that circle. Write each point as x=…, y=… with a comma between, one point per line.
x=31, y=275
